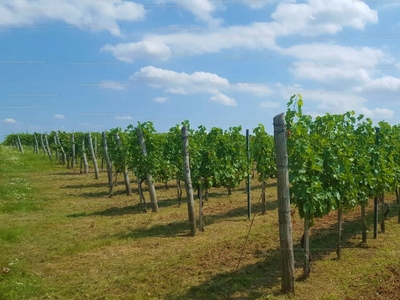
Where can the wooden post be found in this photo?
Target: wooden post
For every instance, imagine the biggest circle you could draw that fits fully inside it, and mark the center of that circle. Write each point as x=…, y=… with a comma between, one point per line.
x=84, y=158
x=73, y=150
x=108, y=162
x=285, y=223
x=96, y=169
x=47, y=146
x=36, y=144
x=20, y=145
x=57, y=151
x=42, y=144
x=63, y=155
x=126, y=175
x=150, y=183
x=188, y=180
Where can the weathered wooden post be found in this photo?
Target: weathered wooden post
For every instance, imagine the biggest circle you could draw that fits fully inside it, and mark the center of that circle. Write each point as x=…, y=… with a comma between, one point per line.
x=150, y=183
x=84, y=158
x=108, y=162
x=47, y=146
x=36, y=144
x=42, y=144
x=96, y=169
x=285, y=223
x=19, y=144
x=188, y=180
x=63, y=154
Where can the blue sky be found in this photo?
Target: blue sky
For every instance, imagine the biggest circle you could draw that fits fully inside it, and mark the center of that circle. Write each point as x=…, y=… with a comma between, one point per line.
x=91, y=65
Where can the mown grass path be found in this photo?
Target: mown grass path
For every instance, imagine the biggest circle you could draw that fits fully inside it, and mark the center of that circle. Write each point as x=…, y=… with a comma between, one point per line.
x=62, y=237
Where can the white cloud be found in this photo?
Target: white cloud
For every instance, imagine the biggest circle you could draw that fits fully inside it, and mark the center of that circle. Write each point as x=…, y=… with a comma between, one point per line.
x=163, y=47
x=9, y=120
x=269, y=104
x=256, y=4
x=201, y=9
x=161, y=99
x=328, y=73
x=329, y=16
x=336, y=54
x=58, y=116
x=180, y=83
x=196, y=83
x=113, y=85
x=134, y=51
x=223, y=99
x=90, y=15
x=123, y=117
x=377, y=113
x=386, y=83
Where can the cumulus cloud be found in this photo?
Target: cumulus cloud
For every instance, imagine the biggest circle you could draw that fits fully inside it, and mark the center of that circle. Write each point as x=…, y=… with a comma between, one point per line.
x=9, y=120
x=58, y=116
x=164, y=47
x=386, y=83
x=256, y=4
x=328, y=72
x=113, y=85
x=335, y=54
x=223, y=99
x=326, y=16
x=377, y=113
x=180, y=83
x=201, y=9
x=90, y=15
x=195, y=83
x=134, y=51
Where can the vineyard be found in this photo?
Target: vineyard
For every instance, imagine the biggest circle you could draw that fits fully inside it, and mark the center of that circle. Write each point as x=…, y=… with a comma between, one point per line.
x=115, y=210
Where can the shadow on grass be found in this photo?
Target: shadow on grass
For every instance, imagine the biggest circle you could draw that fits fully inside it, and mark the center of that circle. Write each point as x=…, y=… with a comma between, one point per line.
x=103, y=194
x=267, y=273
x=245, y=281
x=112, y=211
x=72, y=172
x=240, y=212
x=126, y=210
x=182, y=227
x=172, y=229
x=85, y=186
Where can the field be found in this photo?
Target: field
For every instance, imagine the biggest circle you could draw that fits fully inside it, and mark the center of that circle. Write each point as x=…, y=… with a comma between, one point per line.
x=62, y=237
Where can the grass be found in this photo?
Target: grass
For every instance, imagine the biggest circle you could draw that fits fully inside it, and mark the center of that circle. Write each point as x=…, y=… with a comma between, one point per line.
x=62, y=237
